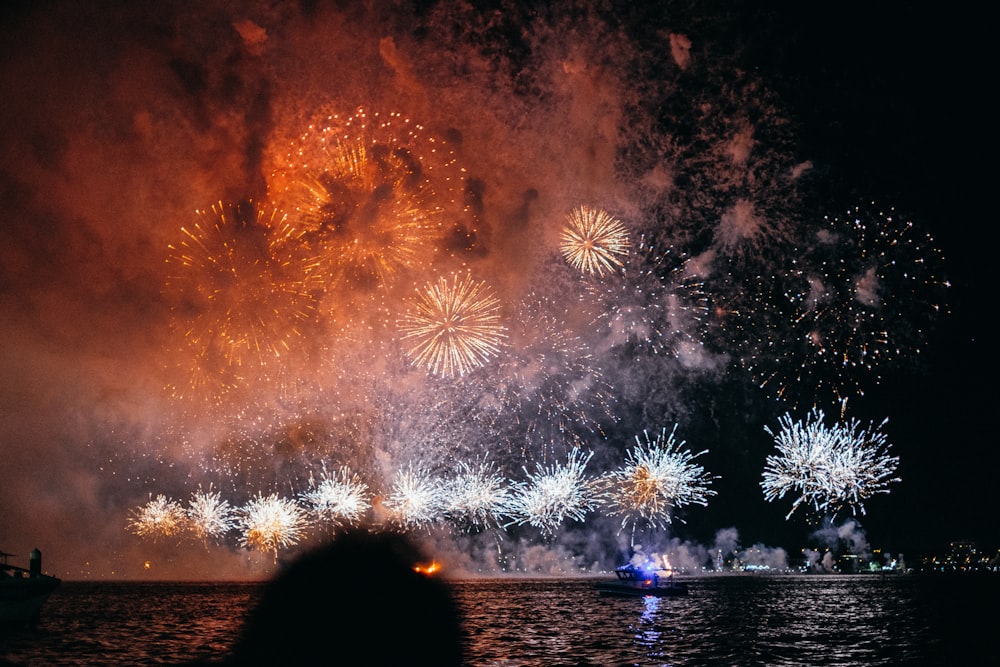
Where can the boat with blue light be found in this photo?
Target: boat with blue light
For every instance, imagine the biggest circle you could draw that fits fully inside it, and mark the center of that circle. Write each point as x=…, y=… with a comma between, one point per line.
x=643, y=580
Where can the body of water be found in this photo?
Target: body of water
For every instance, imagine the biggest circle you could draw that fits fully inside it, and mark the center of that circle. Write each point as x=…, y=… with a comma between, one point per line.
x=521, y=622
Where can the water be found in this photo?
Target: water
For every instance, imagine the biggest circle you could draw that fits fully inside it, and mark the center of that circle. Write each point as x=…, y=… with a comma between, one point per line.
x=726, y=620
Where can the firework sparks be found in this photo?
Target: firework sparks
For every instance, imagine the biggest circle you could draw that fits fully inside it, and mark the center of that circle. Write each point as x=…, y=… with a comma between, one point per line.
x=545, y=385
x=829, y=467
x=651, y=302
x=553, y=494
x=454, y=327
x=269, y=523
x=208, y=515
x=862, y=299
x=658, y=477
x=370, y=188
x=160, y=517
x=338, y=500
x=416, y=498
x=593, y=241
x=243, y=287
x=476, y=496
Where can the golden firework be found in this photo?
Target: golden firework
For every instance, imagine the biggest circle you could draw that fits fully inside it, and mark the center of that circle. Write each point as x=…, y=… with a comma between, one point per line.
x=454, y=326
x=242, y=283
x=370, y=190
x=593, y=241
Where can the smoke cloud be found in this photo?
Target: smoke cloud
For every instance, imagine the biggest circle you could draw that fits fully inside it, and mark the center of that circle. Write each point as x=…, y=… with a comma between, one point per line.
x=125, y=125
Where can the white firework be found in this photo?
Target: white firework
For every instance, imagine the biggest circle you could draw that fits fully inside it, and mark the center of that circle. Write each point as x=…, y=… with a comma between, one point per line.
x=554, y=494
x=477, y=496
x=338, y=500
x=208, y=515
x=828, y=467
x=271, y=522
x=658, y=477
x=416, y=498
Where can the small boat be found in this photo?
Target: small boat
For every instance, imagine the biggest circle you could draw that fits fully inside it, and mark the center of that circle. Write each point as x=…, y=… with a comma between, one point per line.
x=23, y=591
x=643, y=580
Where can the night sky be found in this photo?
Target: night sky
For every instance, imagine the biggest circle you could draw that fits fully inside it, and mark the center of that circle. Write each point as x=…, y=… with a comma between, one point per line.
x=122, y=122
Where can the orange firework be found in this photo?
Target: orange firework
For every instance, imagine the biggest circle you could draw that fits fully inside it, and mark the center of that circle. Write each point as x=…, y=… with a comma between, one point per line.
x=370, y=190
x=243, y=285
x=454, y=326
x=593, y=241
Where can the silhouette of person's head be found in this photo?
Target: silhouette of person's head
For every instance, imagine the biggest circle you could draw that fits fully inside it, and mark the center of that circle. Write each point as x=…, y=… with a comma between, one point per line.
x=357, y=600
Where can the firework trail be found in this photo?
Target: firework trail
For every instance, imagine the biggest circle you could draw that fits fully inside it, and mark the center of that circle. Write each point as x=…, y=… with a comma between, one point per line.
x=453, y=327
x=339, y=500
x=554, y=494
x=209, y=516
x=243, y=288
x=593, y=241
x=269, y=523
x=160, y=517
x=658, y=478
x=828, y=467
x=371, y=189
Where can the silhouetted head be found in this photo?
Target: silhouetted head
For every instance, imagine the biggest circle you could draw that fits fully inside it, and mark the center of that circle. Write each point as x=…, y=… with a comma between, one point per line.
x=357, y=600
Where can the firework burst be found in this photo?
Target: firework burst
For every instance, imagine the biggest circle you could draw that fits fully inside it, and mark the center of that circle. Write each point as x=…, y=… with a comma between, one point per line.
x=554, y=494
x=829, y=467
x=416, y=498
x=270, y=523
x=547, y=383
x=862, y=299
x=160, y=517
x=658, y=478
x=243, y=287
x=593, y=241
x=338, y=500
x=476, y=497
x=208, y=515
x=651, y=302
x=370, y=188
x=453, y=326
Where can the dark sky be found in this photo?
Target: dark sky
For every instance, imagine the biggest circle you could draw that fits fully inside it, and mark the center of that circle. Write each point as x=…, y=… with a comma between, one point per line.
x=121, y=122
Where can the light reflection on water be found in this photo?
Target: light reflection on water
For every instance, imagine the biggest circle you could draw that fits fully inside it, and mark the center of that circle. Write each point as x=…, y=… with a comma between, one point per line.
x=725, y=620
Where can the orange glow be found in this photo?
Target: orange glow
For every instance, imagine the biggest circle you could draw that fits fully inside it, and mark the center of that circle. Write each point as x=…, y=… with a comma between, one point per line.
x=432, y=568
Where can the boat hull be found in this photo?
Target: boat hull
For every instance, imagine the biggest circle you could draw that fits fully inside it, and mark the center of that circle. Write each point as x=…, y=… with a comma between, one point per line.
x=629, y=589
x=21, y=602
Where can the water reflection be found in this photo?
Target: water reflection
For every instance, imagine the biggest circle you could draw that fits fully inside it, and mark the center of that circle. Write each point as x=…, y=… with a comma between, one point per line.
x=647, y=630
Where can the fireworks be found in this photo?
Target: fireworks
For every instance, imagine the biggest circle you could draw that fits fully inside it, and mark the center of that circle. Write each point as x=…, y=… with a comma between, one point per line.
x=339, y=500
x=160, y=517
x=208, y=515
x=269, y=523
x=546, y=384
x=370, y=189
x=652, y=303
x=453, y=327
x=861, y=300
x=829, y=467
x=593, y=241
x=243, y=287
x=416, y=498
x=658, y=477
x=476, y=496
x=554, y=494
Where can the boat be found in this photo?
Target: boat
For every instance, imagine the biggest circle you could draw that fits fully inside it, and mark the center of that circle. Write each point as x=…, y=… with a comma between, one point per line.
x=643, y=580
x=23, y=591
